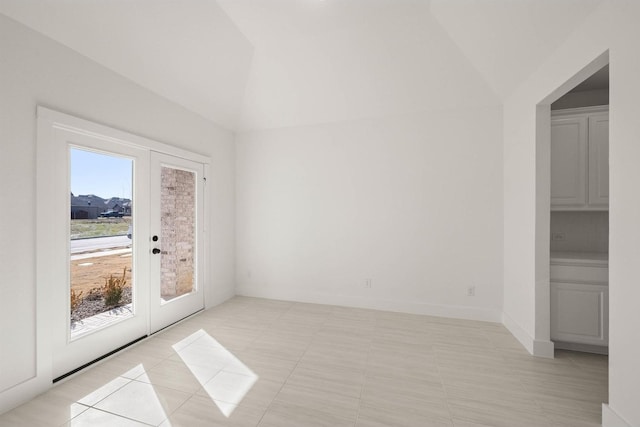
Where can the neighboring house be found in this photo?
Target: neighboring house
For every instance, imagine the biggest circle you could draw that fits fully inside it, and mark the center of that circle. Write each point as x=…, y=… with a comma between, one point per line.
x=119, y=204
x=90, y=206
x=126, y=208
x=87, y=206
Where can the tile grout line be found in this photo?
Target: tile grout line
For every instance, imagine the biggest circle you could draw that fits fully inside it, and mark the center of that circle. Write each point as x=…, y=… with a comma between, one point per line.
x=515, y=373
x=444, y=386
x=336, y=343
x=290, y=373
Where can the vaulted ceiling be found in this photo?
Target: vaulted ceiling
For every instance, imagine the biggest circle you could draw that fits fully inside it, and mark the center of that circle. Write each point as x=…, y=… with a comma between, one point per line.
x=257, y=64
x=506, y=40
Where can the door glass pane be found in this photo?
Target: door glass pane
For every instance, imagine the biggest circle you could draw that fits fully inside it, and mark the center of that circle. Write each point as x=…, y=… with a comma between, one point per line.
x=101, y=282
x=177, y=227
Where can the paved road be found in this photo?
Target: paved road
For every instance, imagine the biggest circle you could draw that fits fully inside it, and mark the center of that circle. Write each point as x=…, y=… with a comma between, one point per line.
x=85, y=245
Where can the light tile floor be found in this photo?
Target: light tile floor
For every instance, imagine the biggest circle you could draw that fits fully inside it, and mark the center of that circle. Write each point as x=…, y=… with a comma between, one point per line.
x=256, y=362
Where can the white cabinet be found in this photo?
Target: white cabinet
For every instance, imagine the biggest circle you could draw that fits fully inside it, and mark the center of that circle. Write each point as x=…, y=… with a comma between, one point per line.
x=580, y=159
x=579, y=303
x=579, y=313
x=599, y=160
x=568, y=161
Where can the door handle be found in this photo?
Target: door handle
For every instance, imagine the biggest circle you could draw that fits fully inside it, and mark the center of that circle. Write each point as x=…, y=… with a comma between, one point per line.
x=156, y=251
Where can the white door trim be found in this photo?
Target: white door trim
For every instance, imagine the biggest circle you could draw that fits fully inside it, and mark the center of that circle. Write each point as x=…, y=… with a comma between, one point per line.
x=47, y=162
x=59, y=120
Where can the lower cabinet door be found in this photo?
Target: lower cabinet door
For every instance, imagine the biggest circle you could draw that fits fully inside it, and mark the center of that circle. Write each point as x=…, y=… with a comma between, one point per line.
x=579, y=313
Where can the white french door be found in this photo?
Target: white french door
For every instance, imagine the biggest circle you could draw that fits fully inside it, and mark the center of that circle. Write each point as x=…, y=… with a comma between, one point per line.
x=120, y=238
x=177, y=201
x=100, y=278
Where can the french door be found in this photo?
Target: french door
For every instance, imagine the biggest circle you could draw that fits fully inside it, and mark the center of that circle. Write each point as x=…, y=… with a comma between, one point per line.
x=176, y=228
x=120, y=239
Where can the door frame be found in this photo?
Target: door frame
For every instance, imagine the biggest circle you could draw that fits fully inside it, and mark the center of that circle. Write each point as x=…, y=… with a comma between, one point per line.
x=542, y=345
x=50, y=159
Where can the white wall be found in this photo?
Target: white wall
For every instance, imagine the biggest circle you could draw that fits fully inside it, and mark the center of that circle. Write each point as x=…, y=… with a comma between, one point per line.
x=371, y=150
x=37, y=71
x=413, y=203
x=134, y=38
x=611, y=26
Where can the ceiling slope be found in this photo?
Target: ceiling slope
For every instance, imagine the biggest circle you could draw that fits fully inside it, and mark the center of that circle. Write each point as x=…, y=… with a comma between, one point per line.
x=506, y=39
x=258, y=64
x=329, y=61
x=188, y=51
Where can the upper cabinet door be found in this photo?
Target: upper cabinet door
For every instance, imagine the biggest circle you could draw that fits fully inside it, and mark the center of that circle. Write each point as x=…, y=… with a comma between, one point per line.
x=569, y=162
x=599, y=159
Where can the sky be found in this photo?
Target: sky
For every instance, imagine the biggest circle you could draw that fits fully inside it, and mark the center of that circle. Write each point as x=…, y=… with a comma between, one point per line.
x=103, y=175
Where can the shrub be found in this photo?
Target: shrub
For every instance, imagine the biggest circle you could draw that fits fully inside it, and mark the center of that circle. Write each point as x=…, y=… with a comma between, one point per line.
x=112, y=289
x=76, y=299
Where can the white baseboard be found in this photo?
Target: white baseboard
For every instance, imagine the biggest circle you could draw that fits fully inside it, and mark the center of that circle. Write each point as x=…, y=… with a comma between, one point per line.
x=538, y=348
x=610, y=418
x=22, y=393
x=543, y=348
x=456, y=312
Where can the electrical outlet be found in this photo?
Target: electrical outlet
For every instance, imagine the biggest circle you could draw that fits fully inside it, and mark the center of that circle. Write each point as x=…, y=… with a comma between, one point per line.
x=471, y=291
x=558, y=237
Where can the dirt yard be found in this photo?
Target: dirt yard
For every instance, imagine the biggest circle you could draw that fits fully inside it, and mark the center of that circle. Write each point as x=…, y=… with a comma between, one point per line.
x=91, y=272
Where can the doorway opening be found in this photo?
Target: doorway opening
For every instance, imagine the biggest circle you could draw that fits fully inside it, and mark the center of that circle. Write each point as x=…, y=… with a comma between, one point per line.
x=575, y=205
x=579, y=216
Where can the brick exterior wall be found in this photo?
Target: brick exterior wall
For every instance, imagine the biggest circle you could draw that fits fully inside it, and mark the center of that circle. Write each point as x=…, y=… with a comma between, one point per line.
x=178, y=218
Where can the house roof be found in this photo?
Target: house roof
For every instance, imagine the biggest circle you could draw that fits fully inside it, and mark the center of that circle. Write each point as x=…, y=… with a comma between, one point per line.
x=249, y=64
x=87, y=200
x=117, y=201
